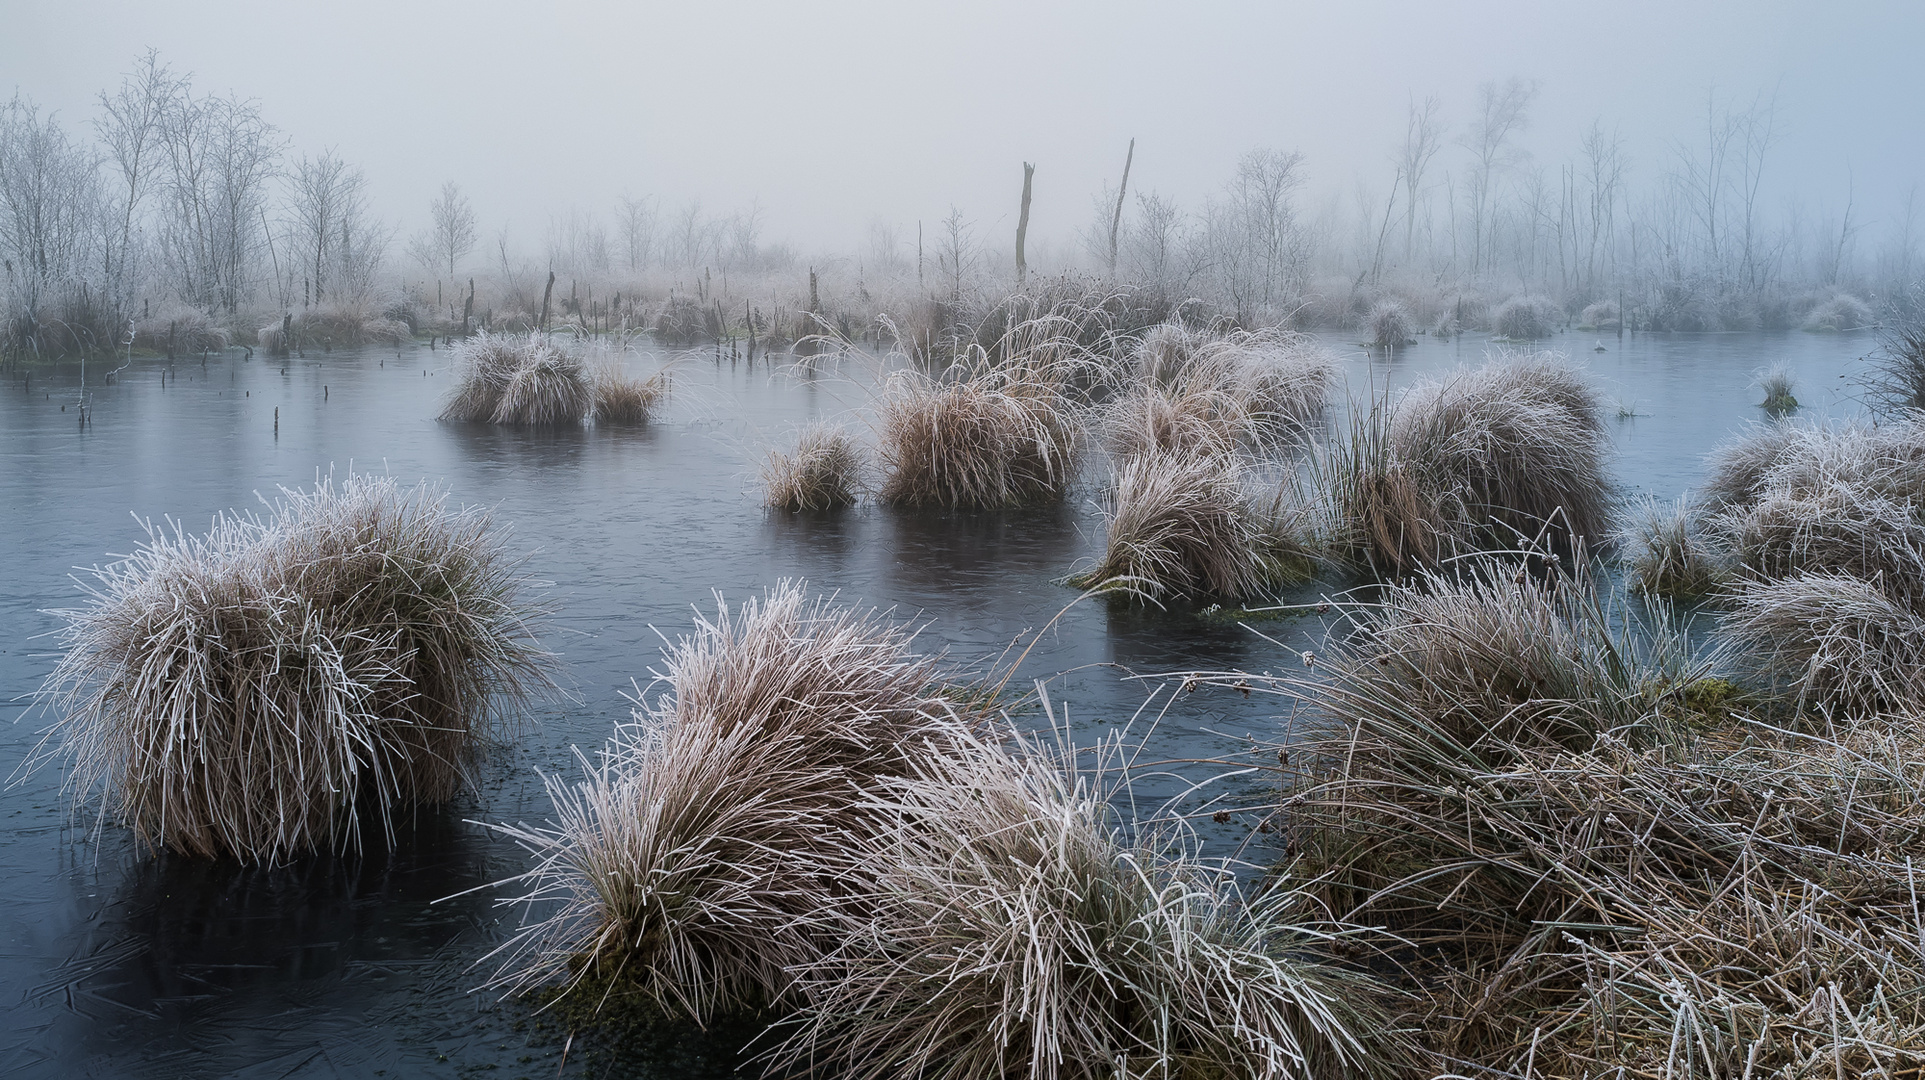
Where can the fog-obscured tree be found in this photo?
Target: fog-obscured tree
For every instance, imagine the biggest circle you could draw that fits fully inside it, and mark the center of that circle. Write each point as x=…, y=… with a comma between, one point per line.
x=129, y=128
x=635, y=224
x=49, y=209
x=220, y=155
x=1502, y=111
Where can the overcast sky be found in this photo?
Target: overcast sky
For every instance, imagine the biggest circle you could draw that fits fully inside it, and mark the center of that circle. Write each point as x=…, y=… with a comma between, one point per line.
x=834, y=115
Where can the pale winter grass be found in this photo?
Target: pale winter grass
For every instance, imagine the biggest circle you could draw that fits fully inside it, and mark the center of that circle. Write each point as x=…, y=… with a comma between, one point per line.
x=1015, y=933
x=1602, y=315
x=1592, y=886
x=1826, y=497
x=176, y=327
x=1390, y=325
x=1667, y=553
x=992, y=436
x=1220, y=393
x=824, y=471
x=1839, y=313
x=1897, y=380
x=1776, y=381
x=712, y=850
x=1525, y=318
x=1509, y=454
x=528, y=380
x=267, y=688
x=625, y=399
x=1845, y=642
x=1188, y=525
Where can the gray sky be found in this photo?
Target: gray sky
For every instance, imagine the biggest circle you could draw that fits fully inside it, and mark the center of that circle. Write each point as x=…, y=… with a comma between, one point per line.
x=836, y=114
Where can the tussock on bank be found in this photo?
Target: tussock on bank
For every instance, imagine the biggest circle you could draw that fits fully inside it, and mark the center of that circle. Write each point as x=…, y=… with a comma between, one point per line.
x=823, y=472
x=1897, y=379
x=1510, y=454
x=1183, y=526
x=1838, y=313
x=1015, y=933
x=1579, y=884
x=277, y=684
x=713, y=847
x=175, y=327
x=993, y=436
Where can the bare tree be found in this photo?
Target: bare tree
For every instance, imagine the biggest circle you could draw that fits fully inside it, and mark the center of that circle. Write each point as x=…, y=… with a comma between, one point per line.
x=220, y=155
x=635, y=220
x=1423, y=137
x=1602, y=180
x=129, y=126
x=1502, y=110
x=339, y=245
x=49, y=208
x=1153, y=251
x=956, y=251
x=1260, y=197
x=453, y=218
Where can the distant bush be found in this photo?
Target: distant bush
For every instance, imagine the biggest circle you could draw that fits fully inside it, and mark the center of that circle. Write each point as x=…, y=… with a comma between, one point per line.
x=1525, y=318
x=1841, y=312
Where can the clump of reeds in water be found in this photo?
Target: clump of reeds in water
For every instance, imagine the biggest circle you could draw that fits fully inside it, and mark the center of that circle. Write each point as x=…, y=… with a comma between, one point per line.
x=990, y=436
x=1667, y=552
x=1014, y=932
x=713, y=849
x=1389, y=325
x=823, y=472
x=1188, y=525
x=277, y=684
x=624, y=399
x=528, y=380
x=1776, y=382
x=1511, y=454
x=1580, y=885
x=1525, y=318
x=1826, y=524
x=1206, y=392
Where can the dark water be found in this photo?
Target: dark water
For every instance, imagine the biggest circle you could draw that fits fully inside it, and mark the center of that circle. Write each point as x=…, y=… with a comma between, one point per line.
x=117, y=963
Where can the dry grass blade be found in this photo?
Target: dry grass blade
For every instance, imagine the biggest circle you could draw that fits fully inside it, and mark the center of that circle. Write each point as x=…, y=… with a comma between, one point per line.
x=257, y=691
x=1511, y=453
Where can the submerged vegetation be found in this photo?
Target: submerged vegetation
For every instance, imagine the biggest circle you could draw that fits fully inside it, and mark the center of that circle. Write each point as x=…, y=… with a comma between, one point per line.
x=282, y=682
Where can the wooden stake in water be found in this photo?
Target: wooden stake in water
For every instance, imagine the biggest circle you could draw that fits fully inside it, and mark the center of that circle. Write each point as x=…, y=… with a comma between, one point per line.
x=277, y=421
